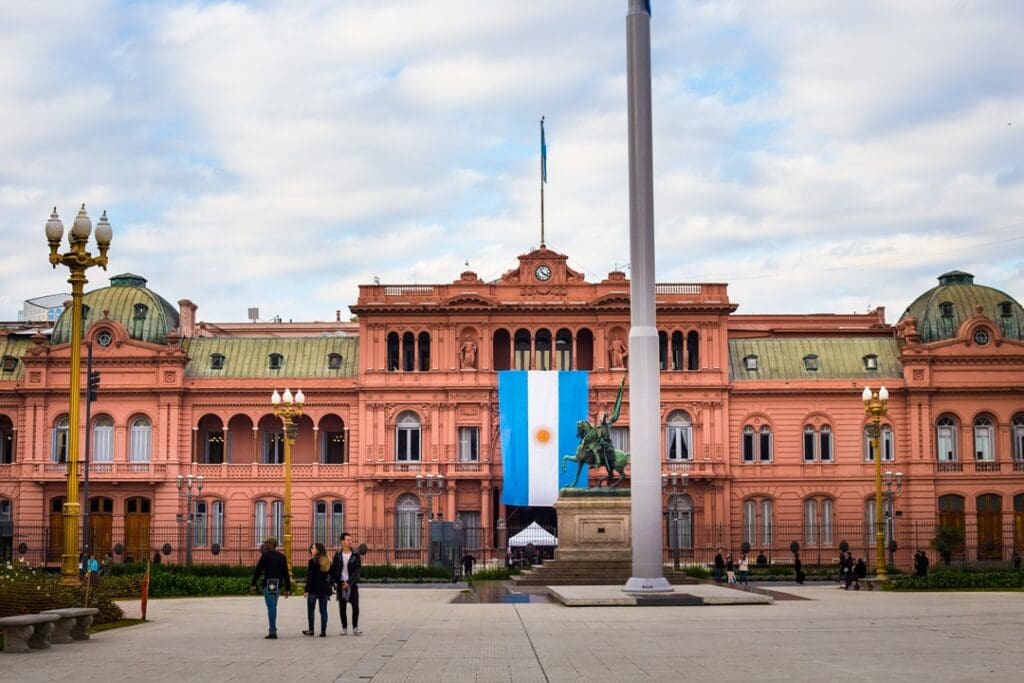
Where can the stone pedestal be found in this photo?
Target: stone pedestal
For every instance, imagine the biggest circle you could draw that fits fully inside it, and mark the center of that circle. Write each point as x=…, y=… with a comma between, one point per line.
x=594, y=525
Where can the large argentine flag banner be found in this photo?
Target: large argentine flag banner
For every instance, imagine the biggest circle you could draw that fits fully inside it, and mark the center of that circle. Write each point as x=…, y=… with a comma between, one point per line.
x=538, y=412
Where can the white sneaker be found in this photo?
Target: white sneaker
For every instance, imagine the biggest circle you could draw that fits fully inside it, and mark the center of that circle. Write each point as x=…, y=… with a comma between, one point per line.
x=357, y=631
x=344, y=631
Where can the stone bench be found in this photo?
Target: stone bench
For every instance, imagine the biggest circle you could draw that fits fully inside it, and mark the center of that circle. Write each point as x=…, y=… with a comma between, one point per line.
x=26, y=631
x=72, y=623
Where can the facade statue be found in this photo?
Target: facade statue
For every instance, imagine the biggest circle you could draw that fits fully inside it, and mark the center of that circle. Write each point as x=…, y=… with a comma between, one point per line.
x=596, y=448
x=617, y=353
x=467, y=354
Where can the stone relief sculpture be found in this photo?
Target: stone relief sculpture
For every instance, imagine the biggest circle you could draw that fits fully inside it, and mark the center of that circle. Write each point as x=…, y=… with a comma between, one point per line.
x=467, y=354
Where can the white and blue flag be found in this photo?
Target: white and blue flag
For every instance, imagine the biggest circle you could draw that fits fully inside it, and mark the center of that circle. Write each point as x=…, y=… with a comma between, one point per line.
x=538, y=412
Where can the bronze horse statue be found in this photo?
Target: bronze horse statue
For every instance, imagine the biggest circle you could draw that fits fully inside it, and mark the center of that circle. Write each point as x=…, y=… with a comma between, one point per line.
x=596, y=449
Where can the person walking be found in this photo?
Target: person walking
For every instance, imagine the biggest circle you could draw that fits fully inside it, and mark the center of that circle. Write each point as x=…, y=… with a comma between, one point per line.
x=273, y=566
x=730, y=569
x=719, y=566
x=1016, y=559
x=318, y=586
x=744, y=567
x=467, y=565
x=798, y=567
x=107, y=568
x=345, y=571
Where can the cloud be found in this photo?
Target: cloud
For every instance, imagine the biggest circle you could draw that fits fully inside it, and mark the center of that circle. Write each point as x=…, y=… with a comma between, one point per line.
x=816, y=156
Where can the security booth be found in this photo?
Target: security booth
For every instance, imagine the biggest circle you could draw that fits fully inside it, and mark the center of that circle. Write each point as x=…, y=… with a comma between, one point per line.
x=446, y=545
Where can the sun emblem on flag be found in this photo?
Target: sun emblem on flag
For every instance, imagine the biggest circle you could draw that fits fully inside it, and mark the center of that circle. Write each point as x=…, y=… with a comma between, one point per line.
x=543, y=436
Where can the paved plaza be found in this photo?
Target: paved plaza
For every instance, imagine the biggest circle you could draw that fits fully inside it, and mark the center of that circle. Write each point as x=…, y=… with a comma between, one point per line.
x=418, y=635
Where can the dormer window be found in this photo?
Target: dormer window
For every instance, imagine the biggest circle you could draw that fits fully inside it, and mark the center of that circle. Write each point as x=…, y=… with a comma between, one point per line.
x=216, y=361
x=276, y=360
x=1006, y=309
x=750, y=363
x=85, y=311
x=334, y=361
x=9, y=364
x=811, y=363
x=871, y=362
x=140, y=311
x=946, y=308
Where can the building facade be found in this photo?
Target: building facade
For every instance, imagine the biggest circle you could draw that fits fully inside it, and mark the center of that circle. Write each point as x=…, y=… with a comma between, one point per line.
x=400, y=424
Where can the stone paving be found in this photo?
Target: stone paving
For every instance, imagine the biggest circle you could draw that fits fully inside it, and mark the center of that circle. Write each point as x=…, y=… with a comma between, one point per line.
x=418, y=635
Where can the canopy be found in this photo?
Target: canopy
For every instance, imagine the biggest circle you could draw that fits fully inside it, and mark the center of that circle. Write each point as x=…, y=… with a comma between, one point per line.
x=535, y=534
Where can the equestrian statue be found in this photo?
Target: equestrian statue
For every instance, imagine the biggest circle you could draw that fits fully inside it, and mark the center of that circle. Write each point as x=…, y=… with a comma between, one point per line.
x=596, y=448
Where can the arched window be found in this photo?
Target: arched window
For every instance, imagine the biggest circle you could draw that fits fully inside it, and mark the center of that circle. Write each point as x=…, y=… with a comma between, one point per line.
x=334, y=361
x=817, y=443
x=5, y=510
x=990, y=526
x=679, y=436
x=522, y=343
x=1017, y=434
x=407, y=522
x=392, y=360
x=500, y=350
x=563, y=350
x=819, y=522
x=662, y=350
x=408, y=352
x=140, y=440
x=259, y=521
x=984, y=438
x=216, y=361
x=748, y=443
x=542, y=343
x=765, y=444
x=677, y=350
x=885, y=443
x=273, y=448
x=680, y=521
x=951, y=510
x=693, y=351
x=757, y=522
x=825, y=443
x=328, y=520
x=945, y=439
x=277, y=519
x=200, y=533
x=7, y=440
x=869, y=521
x=407, y=437
x=59, y=445
x=217, y=522
x=103, y=440
x=423, y=344
x=275, y=361
x=809, y=444
x=584, y=349
x=811, y=523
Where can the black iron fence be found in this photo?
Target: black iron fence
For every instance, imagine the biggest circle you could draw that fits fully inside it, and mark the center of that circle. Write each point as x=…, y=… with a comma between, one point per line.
x=42, y=545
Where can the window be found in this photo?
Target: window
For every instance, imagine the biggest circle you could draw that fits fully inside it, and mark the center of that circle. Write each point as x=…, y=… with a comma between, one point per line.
x=260, y=521
x=680, y=521
x=984, y=434
x=273, y=448
x=1006, y=309
x=1017, y=434
x=563, y=350
x=393, y=355
x=217, y=522
x=757, y=522
x=424, y=351
x=9, y=363
x=981, y=337
x=542, y=344
x=811, y=363
x=334, y=448
x=407, y=522
x=1018, y=521
x=407, y=438
x=679, y=437
x=677, y=350
x=408, y=352
x=472, y=529
x=662, y=351
x=275, y=361
x=216, y=361
x=620, y=438
x=140, y=311
x=199, y=521
x=277, y=519
x=5, y=510
x=945, y=439
x=747, y=445
x=750, y=363
x=324, y=528
x=825, y=443
x=869, y=521
x=765, y=445
x=334, y=361
x=59, y=447
x=946, y=309
x=692, y=351
x=870, y=362
x=214, y=447
x=103, y=440
x=6, y=441
x=521, y=350
x=469, y=444
x=809, y=444
x=819, y=522
x=140, y=440
x=817, y=444
x=885, y=443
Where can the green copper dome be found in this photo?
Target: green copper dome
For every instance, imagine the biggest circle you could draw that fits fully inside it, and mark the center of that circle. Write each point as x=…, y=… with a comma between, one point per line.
x=941, y=310
x=145, y=314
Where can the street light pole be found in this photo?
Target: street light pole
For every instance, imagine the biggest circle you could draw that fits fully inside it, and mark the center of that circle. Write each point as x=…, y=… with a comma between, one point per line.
x=876, y=405
x=288, y=408
x=674, y=485
x=893, y=487
x=78, y=260
x=187, y=494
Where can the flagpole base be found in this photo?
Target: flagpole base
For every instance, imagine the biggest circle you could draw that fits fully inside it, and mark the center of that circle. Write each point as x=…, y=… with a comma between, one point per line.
x=658, y=584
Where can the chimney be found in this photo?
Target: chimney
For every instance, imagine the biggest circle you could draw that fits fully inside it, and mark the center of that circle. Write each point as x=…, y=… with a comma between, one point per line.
x=337, y=316
x=187, y=318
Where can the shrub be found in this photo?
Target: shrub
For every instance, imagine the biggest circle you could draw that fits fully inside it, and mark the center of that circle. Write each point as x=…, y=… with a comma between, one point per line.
x=28, y=591
x=698, y=572
x=947, y=539
x=966, y=578
x=490, y=574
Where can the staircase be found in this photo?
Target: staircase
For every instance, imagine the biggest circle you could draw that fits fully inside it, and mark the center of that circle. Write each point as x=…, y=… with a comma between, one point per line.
x=563, y=572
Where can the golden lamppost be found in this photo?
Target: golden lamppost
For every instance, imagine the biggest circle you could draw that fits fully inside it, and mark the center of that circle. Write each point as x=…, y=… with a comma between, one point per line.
x=876, y=405
x=288, y=408
x=78, y=260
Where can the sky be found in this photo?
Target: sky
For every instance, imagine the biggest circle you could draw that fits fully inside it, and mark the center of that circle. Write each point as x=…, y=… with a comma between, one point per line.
x=817, y=156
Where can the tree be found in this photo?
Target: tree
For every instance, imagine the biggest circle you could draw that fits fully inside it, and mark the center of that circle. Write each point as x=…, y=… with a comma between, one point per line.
x=947, y=539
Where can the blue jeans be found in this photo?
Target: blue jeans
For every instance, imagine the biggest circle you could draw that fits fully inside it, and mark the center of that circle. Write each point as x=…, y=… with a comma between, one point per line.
x=271, y=599
x=311, y=601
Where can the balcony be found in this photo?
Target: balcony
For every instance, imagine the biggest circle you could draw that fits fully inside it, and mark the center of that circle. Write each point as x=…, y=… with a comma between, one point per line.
x=259, y=470
x=98, y=471
x=947, y=467
x=695, y=469
x=987, y=466
x=1018, y=466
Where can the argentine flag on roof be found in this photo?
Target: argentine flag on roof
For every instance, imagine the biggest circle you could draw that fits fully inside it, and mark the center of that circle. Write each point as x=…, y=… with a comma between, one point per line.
x=538, y=412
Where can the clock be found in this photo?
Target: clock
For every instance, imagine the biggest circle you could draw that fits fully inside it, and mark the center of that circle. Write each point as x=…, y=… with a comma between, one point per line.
x=981, y=337
x=543, y=273
x=104, y=338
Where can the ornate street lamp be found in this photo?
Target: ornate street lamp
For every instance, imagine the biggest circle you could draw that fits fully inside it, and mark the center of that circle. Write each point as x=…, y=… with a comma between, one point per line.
x=288, y=407
x=876, y=405
x=431, y=487
x=893, y=487
x=674, y=485
x=186, y=483
x=78, y=260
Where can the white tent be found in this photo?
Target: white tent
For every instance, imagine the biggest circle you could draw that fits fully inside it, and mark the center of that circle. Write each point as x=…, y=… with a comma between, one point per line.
x=535, y=534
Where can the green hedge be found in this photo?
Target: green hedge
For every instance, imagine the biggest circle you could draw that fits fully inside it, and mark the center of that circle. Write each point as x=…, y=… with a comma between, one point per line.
x=490, y=574
x=28, y=591
x=960, y=579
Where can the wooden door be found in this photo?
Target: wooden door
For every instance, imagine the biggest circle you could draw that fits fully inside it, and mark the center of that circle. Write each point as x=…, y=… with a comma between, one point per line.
x=56, y=548
x=136, y=528
x=990, y=527
x=951, y=513
x=1018, y=522
x=101, y=526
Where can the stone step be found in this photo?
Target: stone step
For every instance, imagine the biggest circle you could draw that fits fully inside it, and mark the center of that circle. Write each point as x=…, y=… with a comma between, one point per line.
x=591, y=577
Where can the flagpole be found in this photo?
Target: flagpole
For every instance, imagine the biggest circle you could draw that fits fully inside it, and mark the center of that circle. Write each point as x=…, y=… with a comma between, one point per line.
x=543, y=178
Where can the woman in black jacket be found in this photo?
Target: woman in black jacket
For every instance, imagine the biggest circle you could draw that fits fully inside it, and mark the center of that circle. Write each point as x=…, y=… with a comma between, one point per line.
x=318, y=586
x=345, y=570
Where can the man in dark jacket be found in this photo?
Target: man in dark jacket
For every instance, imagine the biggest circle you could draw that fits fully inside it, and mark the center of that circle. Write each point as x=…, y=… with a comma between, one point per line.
x=719, y=565
x=345, y=570
x=276, y=580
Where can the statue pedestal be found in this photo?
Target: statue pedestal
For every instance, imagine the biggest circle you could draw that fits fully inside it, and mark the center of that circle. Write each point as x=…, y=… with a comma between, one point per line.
x=594, y=525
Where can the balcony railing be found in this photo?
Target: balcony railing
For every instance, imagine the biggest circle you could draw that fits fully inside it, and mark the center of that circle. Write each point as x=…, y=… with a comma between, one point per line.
x=100, y=470
x=987, y=466
x=950, y=467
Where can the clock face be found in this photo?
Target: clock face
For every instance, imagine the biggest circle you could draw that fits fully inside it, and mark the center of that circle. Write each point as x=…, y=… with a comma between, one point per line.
x=104, y=338
x=543, y=273
x=981, y=337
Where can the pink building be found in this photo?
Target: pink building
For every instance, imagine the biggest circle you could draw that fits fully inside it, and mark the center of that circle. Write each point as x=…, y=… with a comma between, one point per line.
x=762, y=412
